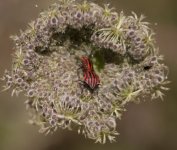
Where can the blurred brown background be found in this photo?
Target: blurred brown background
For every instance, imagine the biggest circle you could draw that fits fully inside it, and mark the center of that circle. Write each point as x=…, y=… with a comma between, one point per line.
x=151, y=125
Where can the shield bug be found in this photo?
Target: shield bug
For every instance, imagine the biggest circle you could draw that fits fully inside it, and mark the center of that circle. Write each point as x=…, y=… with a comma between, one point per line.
x=91, y=79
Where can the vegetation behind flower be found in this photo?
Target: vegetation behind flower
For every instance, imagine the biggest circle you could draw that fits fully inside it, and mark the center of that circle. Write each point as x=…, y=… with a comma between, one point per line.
x=46, y=61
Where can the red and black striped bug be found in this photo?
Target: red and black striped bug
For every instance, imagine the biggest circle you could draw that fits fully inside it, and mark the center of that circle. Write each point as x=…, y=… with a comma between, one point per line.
x=86, y=64
x=91, y=79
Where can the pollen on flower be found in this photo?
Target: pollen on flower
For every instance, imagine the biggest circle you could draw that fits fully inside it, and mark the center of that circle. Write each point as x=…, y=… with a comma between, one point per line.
x=123, y=63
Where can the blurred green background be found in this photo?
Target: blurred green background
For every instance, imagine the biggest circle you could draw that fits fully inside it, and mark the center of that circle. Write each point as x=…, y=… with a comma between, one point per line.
x=151, y=125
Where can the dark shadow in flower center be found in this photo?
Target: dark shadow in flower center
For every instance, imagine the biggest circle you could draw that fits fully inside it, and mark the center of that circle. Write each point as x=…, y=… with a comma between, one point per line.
x=106, y=56
x=75, y=36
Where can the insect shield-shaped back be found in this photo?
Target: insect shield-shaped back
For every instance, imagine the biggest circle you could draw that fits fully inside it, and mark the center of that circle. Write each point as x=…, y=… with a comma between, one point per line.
x=91, y=79
x=87, y=64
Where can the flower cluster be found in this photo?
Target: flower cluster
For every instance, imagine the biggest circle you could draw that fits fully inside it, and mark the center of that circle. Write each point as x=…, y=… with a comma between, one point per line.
x=46, y=66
